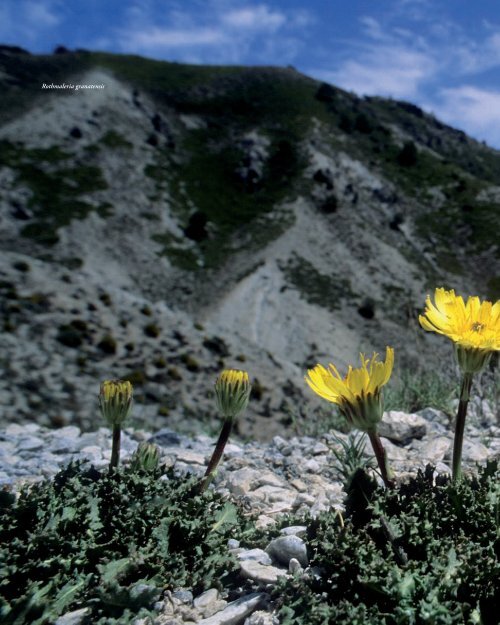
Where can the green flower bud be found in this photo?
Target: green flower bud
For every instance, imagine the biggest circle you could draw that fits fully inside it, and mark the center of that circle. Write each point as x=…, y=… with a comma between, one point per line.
x=232, y=391
x=146, y=457
x=115, y=401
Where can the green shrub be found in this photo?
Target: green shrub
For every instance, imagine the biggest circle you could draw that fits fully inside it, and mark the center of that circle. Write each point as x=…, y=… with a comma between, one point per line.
x=425, y=553
x=107, y=344
x=109, y=542
x=152, y=330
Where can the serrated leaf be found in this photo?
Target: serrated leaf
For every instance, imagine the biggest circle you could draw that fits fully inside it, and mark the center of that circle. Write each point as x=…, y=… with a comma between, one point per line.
x=111, y=571
x=225, y=516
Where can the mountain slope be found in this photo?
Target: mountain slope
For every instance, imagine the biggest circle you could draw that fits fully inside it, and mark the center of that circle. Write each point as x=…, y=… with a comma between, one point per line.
x=184, y=218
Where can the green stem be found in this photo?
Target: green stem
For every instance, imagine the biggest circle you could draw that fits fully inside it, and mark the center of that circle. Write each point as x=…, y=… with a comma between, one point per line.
x=115, y=449
x=216, y=456
x=460, y=426
x=381, y=456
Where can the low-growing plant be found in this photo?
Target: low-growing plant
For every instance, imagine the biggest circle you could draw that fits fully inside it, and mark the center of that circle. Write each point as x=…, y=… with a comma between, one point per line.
x=110, y=542
x=425, y=553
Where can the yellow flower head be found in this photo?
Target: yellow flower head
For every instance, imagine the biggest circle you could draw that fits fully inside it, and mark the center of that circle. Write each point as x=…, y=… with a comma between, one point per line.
x=232, y=391
x=474, y=327
x=358, y=394
x=115, y=401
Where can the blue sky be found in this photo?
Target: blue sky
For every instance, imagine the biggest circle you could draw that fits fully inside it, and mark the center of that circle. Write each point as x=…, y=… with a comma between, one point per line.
x=443, y=55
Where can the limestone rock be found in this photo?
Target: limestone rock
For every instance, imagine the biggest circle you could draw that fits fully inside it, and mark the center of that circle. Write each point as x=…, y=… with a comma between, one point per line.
x=401, y=427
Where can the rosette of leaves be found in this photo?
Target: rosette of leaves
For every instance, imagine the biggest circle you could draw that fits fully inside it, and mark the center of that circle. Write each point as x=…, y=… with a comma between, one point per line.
x=110, y=543
x=426, y=553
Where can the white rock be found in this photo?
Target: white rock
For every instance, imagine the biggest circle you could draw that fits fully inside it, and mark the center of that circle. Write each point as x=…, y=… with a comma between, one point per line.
x=72, y=618
x=401, y=427
x=284, y=548
x=241, y=481
x=206, y=598
x=260, y=617
x=293, y=530
x=434, y=450
x=235, y=611
x=257, y=555
x=263, y=573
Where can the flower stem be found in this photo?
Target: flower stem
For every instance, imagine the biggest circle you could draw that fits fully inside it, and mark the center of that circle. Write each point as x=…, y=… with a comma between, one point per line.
x=460, y=426
x=216, y=456
x=381, y=456
x=115, y=449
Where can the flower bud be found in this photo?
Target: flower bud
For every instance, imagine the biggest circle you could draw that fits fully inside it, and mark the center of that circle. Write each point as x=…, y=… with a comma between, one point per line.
x=146, y=457
x=115, y=401
x=232, y=391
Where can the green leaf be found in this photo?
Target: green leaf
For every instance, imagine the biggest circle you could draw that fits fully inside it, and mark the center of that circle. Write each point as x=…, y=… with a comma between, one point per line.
x=227, y=515
x=112, y=570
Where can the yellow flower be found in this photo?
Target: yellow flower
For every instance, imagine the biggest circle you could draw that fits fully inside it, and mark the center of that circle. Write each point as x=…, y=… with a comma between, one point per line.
x=474, y=326
x=115, y=401
x=358, y=394
x=232, y=391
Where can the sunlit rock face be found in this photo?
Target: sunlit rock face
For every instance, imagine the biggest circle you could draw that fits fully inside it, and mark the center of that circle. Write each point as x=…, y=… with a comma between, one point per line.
x=184, y=219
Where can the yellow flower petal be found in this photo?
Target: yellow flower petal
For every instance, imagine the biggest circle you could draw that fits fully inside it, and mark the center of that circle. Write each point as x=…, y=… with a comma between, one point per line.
x=473, y=325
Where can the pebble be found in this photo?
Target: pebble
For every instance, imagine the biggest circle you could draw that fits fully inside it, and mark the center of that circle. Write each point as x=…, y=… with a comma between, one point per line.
x=283, y=476
x=261, y=573
x=72, y=618
x=284, y=548
x=235, y=611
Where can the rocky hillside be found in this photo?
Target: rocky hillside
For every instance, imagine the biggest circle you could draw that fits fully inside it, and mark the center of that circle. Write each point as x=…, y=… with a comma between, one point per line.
x=184, y=218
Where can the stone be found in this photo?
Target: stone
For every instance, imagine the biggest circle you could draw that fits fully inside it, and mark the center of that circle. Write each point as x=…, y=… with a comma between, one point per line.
x=268, y=478
x=183, y=596
x=260, y=617
x=72, y=618
x=166, y=438
x=401, y=427
x=242, y=481
x=30, y=443
x=434, y=450
x=312, y=465
x=293, y=530
x=283, y=548
x=435, y=416
x=232, y=543
x=319, y=448
x=294, y=567
x=235, y=611
x=258, y=555
x=206, y=598
x=472, y=451
x=191, y=457
x=68, y=431
x=262, y=573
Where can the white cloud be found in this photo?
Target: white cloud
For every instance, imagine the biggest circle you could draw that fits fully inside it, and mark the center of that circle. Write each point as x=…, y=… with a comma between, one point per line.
x=25, y=20
x=154, y=37
x=215, y=33
x=475, y=110
x=386, y=69
x=257, y=18
x=41, y=14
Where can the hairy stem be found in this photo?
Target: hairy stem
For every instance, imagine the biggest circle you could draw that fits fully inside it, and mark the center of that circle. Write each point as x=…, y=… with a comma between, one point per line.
x=460, y=426
x=381, y=456
x=216, y=456
x=115, y=449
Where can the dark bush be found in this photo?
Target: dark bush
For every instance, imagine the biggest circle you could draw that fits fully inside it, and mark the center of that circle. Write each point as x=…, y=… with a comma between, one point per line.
x=111, y=543
x=425, y=553
x=107, y=344
x=408, y=155
x=69, y=336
